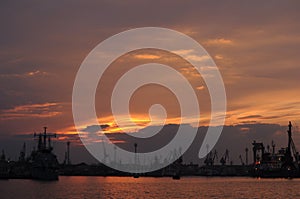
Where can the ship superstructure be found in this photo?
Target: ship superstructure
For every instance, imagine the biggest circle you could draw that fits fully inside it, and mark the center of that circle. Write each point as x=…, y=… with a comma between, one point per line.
x=44, y=163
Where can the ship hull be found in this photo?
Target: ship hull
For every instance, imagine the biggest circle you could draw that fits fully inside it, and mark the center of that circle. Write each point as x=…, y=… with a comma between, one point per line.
x=279, y=173
x=44, y=174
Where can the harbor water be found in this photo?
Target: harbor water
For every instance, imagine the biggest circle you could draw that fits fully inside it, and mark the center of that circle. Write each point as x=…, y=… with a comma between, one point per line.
x=129, y=187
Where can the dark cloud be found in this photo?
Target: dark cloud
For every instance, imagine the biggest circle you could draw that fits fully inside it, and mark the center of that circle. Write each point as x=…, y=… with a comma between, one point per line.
x=250, y=117
x=95, y=128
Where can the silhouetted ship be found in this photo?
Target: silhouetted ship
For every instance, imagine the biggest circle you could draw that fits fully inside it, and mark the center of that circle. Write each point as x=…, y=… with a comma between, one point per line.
x=284, y=164
x=44, y=164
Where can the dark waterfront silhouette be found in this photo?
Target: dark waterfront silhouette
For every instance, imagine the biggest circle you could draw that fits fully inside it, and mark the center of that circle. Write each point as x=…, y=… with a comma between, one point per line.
x=42, y=164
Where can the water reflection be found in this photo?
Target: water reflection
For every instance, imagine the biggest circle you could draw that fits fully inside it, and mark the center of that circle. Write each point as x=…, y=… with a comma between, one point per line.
x=129, y=187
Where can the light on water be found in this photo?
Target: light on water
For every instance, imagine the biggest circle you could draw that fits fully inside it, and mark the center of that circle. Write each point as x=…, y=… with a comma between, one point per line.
x=129, y=187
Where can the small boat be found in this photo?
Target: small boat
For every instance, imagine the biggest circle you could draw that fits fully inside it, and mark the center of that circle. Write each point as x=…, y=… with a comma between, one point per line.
x=136, y=175
x=176, y=177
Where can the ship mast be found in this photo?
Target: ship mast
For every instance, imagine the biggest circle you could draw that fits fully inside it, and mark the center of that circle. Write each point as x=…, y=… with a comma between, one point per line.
x=42, y=140
x=289, y=139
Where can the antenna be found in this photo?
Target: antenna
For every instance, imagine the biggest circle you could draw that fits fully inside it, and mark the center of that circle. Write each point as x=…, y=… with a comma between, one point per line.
x=273, y=147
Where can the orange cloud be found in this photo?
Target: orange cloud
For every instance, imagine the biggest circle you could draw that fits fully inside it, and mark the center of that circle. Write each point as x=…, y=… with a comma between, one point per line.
x=190, y=72
x=200, y=88
x=220, y=41
x=34, y=73
x=219, y=57
x=25, y=75
x=183, y=51
x=146, y=56
x=31, y=111
x=190, y=54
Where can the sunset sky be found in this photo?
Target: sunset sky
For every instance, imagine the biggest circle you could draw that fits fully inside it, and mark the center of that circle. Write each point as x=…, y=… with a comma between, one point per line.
x=255, y=45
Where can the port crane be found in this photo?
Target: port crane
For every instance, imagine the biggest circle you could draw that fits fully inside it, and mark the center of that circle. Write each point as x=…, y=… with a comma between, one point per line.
x=67, y=154
x=225, y=157
x=241, y=159
x=22, y=153
x=210, y=158
x=105, y=155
